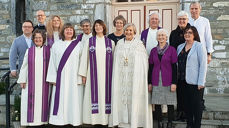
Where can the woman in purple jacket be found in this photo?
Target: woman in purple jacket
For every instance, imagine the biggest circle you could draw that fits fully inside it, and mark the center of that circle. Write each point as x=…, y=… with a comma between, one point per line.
x=162, y=77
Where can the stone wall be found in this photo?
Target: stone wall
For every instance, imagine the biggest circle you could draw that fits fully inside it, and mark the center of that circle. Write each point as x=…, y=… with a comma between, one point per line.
x=217, y=12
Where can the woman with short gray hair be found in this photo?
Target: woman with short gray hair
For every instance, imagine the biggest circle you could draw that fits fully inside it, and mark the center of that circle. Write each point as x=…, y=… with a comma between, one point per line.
x=176, y=38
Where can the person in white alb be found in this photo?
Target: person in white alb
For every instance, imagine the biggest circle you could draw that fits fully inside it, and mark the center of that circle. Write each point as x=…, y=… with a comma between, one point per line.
x=203, y=27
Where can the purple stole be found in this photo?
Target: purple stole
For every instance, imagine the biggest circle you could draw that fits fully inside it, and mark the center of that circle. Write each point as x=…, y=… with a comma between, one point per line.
x=80, y=36
x=50, y=41
x=31, y=84
x=93, y=71
x=144, y=35
x=63, y=61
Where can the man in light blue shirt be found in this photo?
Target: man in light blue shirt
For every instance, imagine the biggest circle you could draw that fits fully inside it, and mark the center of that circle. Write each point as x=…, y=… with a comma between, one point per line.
x=19, y=46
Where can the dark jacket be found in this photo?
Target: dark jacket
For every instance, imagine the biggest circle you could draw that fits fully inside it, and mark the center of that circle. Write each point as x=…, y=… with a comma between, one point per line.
x=177, y=37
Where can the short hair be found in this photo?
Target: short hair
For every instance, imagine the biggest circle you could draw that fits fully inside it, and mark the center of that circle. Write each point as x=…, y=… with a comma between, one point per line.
x=40, y=11
x=49, y=25
x=28, y=21
x=85, y=21
x=157, y=13
x=67, y=25
x=119, y=17
x=42, y=32
x=195, y=2
x=129, y=25
x=182, y=13
x=102, y=24
x=164, y=31
x=195, y=32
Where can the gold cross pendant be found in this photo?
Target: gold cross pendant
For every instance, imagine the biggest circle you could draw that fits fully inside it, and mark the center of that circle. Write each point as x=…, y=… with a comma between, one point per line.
x=126, y=61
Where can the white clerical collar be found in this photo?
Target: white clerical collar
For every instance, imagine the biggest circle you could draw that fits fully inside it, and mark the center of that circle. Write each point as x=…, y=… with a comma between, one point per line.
x=40, y=24
x=152, y=29
x=195, y=19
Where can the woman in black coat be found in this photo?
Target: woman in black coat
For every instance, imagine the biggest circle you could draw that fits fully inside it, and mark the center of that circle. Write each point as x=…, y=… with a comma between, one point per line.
x=176, y=38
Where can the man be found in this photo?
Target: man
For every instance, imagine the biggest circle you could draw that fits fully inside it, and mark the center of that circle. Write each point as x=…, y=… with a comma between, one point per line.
x=203, y=27
x=148, y=36
x=86, y=27
x=19, y=46
x=41, y=20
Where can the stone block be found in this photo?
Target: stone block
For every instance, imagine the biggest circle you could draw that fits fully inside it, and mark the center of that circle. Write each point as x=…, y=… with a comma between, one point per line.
x=60, y=1
x=219, y=47
x=78, y=12
x=4, y=27
x=217, y=37
x=98, y=1
x=221, y=116
x=87, y=6
x=77, y=19
x=53, y=7
x=40, y=5
x=223, y=17
x=4, y=1
x=5, y=49
x=221, y=4
x=68, y=6
x=4, y=12
x=219, y=55
x=60, y=13
x=2, y=39
x=89, y=11
x=77, y=1
x=10, y=39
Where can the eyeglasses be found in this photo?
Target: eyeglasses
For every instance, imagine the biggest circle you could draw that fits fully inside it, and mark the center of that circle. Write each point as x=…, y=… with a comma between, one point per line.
x=37, y=37
x=27, y=26
x=40, y=15
x=182, y=18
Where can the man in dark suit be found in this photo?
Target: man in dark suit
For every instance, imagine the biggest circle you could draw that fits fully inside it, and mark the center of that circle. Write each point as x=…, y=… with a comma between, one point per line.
x=19, y=46
x=41, y=20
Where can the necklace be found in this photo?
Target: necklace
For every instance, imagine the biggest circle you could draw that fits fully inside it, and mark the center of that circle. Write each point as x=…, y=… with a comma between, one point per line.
x=127, y=46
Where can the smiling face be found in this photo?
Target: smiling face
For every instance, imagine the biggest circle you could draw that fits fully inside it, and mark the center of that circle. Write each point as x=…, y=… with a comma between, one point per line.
x=195, y=10
x=27, y=28
x=129, y=33
x=56, y=22
x=161, y=37
x=189, y=36
x=86, y=27
x=98, y=28
x=38, y=39
x=119, y=25
x=154, y=21
x=182, y=21
x=68, y=33
x=41, y=16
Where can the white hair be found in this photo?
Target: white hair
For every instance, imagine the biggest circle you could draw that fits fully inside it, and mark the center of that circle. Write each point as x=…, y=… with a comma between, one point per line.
x=195, y=2
x=152, y=13
x=128, y=25
x=163, y=31
x=182, y=13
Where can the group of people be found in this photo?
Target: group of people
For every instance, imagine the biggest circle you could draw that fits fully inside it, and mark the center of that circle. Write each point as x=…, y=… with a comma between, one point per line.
x=114, y=80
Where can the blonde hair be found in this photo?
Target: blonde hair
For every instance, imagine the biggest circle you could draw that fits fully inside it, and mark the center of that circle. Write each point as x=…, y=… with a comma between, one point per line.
x=49, y=26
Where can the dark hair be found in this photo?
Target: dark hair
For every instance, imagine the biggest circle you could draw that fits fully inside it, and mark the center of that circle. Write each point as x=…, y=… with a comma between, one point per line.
x=194, y=31
x=119, y=17
x=85, y=21
x=28, y=21
x=67, y=25
x=102, y=24
x=42, y=32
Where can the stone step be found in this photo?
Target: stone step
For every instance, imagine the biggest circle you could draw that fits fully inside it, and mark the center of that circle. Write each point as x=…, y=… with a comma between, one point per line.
x=205, y=124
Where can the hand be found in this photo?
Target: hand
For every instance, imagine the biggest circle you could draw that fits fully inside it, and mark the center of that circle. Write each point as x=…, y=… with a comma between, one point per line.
x=150, y=87
x=53, y=83
x=84, y=80
x=173, y=87
x=209, y=58
x=23, y=85
x=200, y=87
x=13, y=73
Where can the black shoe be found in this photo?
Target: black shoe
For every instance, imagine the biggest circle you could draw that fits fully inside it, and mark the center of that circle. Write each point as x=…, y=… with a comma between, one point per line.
x=169, y=125
x=188, y=126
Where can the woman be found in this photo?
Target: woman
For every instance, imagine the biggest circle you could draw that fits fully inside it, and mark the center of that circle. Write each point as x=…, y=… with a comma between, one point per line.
x=119, y=22
x=67, y=95
x=32, y=78
x=192, y=68
x=54, y=26
x=176, y=38
x=96, y=71
x=163, y=77
x=130, y=107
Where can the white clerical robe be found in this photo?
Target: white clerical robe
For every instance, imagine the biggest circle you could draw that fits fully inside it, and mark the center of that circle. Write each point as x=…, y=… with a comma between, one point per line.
x=151, y=40
x=23, y=78
x=101, y=117
x=130, y=107
x=71, y=94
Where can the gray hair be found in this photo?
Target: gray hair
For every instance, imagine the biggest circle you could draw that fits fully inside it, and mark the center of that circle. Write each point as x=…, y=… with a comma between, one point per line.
x=182, y=13
x=85, y=21
x=195, y=2
x=164, y=31
x=157, y=13
x=129, y=25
